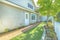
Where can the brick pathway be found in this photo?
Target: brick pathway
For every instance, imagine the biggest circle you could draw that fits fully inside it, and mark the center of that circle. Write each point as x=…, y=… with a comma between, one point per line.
x=9, y=35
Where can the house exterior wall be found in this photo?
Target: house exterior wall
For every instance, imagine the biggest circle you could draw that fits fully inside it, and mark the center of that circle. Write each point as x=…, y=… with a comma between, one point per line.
x=10, y=17
x=43, y=18
x=23, y=3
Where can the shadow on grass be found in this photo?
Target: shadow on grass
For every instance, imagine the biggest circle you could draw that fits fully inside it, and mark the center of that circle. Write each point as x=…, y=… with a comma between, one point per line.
x=33, y=34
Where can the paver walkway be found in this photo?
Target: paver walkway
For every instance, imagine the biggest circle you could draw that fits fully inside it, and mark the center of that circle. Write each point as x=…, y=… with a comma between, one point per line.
x=9, y=35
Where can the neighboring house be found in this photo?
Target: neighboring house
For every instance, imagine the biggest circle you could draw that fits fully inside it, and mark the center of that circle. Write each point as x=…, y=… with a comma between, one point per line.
x=17, y=13
x=43, y=18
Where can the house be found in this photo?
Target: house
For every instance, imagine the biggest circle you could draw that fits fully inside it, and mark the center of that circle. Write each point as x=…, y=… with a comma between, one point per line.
x=17, y=13
x=43, y=18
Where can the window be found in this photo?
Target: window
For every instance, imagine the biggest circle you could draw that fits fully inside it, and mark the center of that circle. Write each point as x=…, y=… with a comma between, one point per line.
x=30, y=6
x=33, y=17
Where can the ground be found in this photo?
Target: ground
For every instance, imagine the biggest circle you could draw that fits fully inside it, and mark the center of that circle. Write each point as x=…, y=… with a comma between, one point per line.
x=33, y=34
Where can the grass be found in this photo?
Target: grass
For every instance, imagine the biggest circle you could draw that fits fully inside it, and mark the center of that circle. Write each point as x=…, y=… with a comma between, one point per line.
x=33, y=34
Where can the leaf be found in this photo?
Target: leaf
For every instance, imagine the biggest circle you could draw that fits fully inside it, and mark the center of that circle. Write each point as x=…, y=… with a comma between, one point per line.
x=48, y=7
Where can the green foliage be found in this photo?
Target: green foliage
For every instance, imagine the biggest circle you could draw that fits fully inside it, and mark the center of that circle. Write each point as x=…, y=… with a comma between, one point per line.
x=58, y=17
x=6, y=30
x=48, y=7
x=57, y=2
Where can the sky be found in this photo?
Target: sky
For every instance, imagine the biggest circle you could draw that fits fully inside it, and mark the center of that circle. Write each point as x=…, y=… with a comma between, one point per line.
x=36, y=2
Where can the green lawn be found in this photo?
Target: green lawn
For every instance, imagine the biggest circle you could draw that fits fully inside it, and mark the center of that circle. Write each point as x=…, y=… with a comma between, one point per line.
x=33, y=34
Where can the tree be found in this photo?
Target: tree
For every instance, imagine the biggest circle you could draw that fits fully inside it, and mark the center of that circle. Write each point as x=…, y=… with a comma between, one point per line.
x=58, y=17
x=48, y=7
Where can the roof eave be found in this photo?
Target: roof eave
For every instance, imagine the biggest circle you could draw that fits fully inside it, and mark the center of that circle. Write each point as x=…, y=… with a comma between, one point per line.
x=5, y=2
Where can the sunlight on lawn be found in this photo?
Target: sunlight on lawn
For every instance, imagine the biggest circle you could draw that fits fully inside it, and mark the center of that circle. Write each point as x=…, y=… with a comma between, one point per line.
x=33, y=34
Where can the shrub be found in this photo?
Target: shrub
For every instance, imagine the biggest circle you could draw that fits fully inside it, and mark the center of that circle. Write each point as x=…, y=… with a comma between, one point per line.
x=6, y=30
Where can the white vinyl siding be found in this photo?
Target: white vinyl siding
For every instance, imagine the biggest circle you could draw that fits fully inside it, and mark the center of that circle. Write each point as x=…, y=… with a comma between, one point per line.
x=11, y=17
x=23, y=3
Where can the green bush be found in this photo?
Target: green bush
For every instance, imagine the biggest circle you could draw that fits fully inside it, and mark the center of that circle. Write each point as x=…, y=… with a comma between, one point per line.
x=6, y=30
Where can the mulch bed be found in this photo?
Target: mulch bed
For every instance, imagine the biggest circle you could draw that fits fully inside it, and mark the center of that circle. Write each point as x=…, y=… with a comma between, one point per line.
x=50, y=33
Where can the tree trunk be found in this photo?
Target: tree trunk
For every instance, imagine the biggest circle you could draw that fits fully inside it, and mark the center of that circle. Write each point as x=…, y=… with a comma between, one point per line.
x=47, y=18
x=48, y=15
